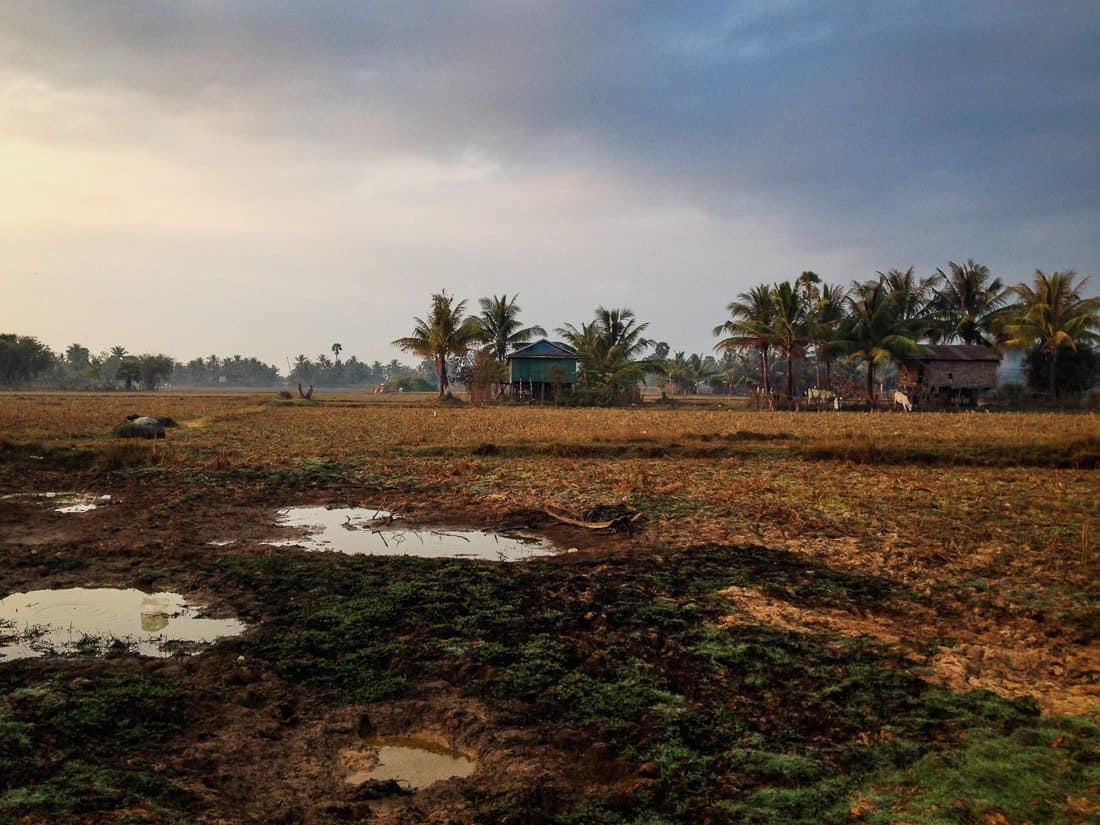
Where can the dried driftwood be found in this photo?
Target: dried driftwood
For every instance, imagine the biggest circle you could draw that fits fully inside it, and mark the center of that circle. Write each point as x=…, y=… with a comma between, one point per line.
x=620, y=519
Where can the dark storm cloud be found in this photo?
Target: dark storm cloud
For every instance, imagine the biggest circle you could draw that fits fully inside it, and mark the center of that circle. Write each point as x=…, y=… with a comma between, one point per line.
x=856, y=119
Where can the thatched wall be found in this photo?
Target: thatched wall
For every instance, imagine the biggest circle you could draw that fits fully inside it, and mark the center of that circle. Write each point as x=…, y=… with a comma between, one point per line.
x=958, y=375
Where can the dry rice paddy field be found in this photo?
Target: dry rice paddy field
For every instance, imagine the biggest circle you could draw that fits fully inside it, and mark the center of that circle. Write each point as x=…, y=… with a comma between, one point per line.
x=817, y=617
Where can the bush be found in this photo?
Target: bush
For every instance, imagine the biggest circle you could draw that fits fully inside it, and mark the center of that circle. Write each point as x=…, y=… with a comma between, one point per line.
x=1077, y=369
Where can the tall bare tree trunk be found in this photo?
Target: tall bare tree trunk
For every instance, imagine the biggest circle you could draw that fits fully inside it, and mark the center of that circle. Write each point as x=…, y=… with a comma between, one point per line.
x=764, y=369
x=870, y=382
x=441, y=366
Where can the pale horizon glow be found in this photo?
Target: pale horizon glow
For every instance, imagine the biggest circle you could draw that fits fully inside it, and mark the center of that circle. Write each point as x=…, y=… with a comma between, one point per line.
x=235, y=179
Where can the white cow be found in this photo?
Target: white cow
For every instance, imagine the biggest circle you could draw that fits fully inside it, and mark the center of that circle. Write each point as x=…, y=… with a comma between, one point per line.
x=903, y=399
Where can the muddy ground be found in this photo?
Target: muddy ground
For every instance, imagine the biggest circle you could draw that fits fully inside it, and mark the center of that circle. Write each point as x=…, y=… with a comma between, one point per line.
x=782, y=673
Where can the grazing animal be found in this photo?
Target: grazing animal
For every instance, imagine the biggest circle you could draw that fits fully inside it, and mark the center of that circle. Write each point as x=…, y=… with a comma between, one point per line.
x=902, y=399
x=140, y=426
x=817, y=395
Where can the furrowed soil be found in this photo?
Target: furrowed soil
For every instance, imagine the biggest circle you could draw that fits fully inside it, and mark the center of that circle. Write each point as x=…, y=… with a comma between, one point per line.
x=818, y=617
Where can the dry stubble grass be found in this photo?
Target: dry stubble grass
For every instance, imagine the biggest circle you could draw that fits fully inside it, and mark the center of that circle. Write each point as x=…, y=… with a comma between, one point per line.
x=924, y=510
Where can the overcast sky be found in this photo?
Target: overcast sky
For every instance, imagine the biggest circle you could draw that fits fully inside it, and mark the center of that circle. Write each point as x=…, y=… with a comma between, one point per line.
x=268, y=177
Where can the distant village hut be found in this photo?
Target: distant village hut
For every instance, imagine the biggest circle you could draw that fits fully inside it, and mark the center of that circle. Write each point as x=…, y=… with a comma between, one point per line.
x=538, y=371
x=949, y=374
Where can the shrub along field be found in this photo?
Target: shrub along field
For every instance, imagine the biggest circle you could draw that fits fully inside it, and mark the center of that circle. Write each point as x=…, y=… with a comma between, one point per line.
x=819, y=617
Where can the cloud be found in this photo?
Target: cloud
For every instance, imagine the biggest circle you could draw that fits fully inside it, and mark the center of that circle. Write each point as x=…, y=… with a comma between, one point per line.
x=606, y=149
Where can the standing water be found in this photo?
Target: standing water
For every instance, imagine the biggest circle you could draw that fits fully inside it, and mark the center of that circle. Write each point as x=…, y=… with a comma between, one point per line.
x=365, y=531
x=68, y=621
x=412, y=761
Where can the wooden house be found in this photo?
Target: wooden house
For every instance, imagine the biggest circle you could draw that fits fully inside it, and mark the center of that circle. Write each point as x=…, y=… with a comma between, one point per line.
x=537, y=370
x=949, y=374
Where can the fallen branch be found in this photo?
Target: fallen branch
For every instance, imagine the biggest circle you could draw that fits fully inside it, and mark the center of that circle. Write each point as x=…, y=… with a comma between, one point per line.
x=618, y=521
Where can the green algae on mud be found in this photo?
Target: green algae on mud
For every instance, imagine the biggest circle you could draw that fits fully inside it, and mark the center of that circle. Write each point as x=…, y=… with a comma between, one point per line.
x=76, y=745
x=624, y=656
x=618, y=663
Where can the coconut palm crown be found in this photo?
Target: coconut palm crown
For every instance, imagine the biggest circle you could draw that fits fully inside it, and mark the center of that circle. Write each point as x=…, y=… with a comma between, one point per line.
x=444, y=333
x=968, y=303
x=611, y=349
x=881, y=326
x=1050, y=314
x=749, y=326
x=501, y=328
x=790, y=325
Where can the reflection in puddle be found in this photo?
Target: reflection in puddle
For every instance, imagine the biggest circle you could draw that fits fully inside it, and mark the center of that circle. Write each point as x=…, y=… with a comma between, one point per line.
x=412, y=761
x=67, y=621
x=372, y=532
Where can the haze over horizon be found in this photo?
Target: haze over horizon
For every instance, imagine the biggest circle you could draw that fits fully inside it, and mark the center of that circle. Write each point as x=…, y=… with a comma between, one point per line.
x=245, y=177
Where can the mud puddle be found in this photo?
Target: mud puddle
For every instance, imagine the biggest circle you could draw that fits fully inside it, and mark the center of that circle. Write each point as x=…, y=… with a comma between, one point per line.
x=91, y=620
x=365, y=531
x=413, y=762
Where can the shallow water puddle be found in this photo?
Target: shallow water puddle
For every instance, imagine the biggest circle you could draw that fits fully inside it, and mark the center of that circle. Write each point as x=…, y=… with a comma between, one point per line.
x=76, y=502
x=414, y=762
x=79, y=619
x=364, y=531
x=66, y=502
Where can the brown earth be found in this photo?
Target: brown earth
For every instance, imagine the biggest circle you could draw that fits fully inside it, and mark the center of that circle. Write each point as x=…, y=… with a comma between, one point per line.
x=1016, y=661
x=274, y=754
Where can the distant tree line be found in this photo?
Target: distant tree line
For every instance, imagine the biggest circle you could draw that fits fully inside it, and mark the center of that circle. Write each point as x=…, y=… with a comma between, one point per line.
x=27, y=362
x=332, y=372
x=799, y=331
x=785, y=335
x=880, y=321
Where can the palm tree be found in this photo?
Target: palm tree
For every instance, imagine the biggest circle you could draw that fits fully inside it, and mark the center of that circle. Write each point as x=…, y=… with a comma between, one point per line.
x=500, y=325
x=876, y=329
x=585, y=341
x=611, y=349
x=910, y=294
x=677, y=370
x=967, y=303
x=446, y=332
x=118, y=352
x=77, y=355
x=1051, y=314
x=790, y=325
x=749, y=326
x=825, y=320
x=337, y=348
x=686, y=372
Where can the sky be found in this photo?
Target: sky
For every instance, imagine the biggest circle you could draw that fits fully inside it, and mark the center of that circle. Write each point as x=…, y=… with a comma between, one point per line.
x=261, y=177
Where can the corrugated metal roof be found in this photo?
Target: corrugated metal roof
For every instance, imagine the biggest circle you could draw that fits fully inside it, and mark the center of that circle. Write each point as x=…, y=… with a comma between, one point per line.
x=958, y=352
x=545, y=349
